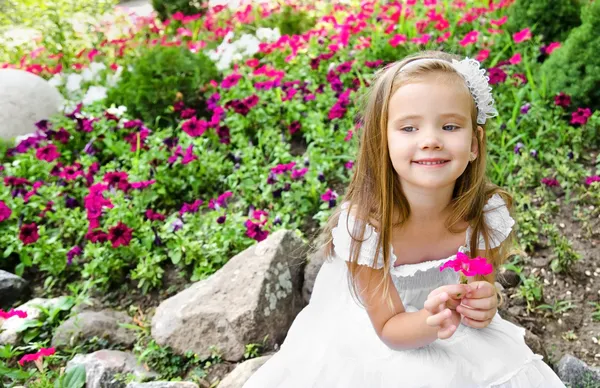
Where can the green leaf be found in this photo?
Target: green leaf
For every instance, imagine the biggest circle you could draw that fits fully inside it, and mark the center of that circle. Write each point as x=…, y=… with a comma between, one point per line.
x=75, y=377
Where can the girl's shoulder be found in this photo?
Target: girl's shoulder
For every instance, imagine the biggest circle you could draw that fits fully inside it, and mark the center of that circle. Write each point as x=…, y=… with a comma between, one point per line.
x=498, y=220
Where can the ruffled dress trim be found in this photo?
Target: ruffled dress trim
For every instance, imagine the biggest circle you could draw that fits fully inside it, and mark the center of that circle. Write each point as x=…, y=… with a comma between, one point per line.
x=496, y=216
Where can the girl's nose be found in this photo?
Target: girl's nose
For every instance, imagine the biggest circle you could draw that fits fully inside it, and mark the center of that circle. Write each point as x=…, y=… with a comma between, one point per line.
x=430, y=140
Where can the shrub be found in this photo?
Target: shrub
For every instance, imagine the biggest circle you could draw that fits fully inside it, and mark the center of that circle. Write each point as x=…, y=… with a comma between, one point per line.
x=166, y=8
x=158, y=77
x=575, y=67
x=290, y=21
x=553, y=19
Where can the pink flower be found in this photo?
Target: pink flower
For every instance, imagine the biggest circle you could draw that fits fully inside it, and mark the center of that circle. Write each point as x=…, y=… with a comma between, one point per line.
x=397, y=39
x=230, y=81
x=550, y=182
x=153, y=216
x=297, y=174
x=581, y=116
x=497, y=75
x=29, y=233
x=329, y=195
x=194, y=127
x=120, y=235
x=74, y=252
x=13, y=313
x=116, y=178
x=591, y=179
x=516, y=59
x=469, y=267
x=5, y=211
x=522, y=35
x=191, y=207
x=44, y=352
x=562, y=99
x=349, y=164
x=483, y=55
x=96, y=236
x=48, y=153
x=189, y=156
x=552, y=46
x=499, y=22
x=470, y=38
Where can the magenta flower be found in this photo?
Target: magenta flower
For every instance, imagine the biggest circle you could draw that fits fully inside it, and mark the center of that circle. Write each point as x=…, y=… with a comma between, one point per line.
x=194, y=127
x=118, y=179
x=142, y=184
x=120, y=235
x=230, y=81
x=550, y=182
x=221, y=201
x=294, y=127
x=329, y=195
x=468, y=266
x=297, y=174
x=522, y=35
x=13, y=313
x=44, y=352
x=581, y=116
x=562, y=99
x=70, y=173
x=153, y=216
x=5, y=211
x=281, y=168
x=349, y=164
x=255, y=232
x=470, y=38
x=591, y=179
x=61, y=136
x=191, y=207
x=397, y=39
x=374, y=64
x=497, y=75
x=48, y=153
x=29, y=233
x=73, y=252
x=132, y=138
x=14, y=181
x=189, y=156
x=96, y=236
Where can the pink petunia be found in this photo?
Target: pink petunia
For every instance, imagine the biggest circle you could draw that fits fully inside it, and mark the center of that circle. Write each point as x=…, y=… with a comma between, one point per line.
x=591, y=179
x=581, y=116
x=13, y=313
x=194, y=127
x=469, y=267
x=562, y=99
x=29, y=233
x=522, y=35
x=120, y=235
x=44, y=352
x=5, y=211
x=48, y=153
x=470, y=38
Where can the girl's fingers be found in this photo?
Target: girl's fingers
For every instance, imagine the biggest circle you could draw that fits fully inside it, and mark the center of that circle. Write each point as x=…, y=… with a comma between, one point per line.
x=438, y=319
x=432, y=304
x=476, y=315
x=446, y=332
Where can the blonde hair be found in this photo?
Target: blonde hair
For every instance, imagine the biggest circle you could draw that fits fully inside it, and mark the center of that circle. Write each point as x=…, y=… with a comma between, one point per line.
x=374, y=189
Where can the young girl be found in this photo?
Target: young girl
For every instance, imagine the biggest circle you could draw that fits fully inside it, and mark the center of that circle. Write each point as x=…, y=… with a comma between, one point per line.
x=382, y=312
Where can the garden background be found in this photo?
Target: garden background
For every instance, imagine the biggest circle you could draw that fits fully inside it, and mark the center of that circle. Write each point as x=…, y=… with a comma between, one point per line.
x=152, y=163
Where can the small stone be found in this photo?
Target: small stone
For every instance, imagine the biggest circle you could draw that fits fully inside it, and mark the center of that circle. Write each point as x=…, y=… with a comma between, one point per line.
x=588, y=273
x=562, y=225
x=595, y=340
x=568, y=292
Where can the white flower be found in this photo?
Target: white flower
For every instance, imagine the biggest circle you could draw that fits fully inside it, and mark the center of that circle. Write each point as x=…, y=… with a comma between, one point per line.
x=93, y=94
x=117, y=111
x=268, y=34
x=74, y=82
x=56, y=80
x=113, y=79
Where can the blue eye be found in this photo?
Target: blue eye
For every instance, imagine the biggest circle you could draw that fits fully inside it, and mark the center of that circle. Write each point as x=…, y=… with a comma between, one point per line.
x=405, y=129
x=450, y=125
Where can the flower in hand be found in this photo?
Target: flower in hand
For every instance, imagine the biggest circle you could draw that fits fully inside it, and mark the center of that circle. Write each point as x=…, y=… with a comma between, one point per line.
x=468, y=266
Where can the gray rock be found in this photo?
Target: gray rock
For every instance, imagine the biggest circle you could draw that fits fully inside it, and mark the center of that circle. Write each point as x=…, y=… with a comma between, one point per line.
x=88, y=324
x=12, y=289
x=577, y=373
x=257, y=293
x=9, y=329
x=91, y=304
x=242, y=372
x=508, y=278
x=25, y=99
x=310, y=274
x=163, y=384
x=108, y=368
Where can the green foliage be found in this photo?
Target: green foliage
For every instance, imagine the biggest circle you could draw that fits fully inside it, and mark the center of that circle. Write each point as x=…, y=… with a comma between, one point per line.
x=290, y=21
x=551, y=18
x=156, y=79
x=531, y=290
x=166, y=8
x=575, y=67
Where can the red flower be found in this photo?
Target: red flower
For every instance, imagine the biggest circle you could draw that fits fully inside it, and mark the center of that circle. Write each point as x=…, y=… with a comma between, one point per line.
x=562, y=99
x=118, y=179
x=29, y=233
x=120, y=235
x=194, y=127
x=581, y=116
x=96, y=236
x=48, y=153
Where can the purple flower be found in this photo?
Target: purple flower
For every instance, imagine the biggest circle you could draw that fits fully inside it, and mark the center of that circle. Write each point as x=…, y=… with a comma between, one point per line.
x=176, y=225
x=221, y=219
x=191, y=207
x=5, y=211
x=591, y=179
x=331, y=197
x=48, y=153
x=194, y=127
x=297, y=174
x=518, y=147
x=533, y=153
x=525, y=108
x=74, y=252
x=550, y=182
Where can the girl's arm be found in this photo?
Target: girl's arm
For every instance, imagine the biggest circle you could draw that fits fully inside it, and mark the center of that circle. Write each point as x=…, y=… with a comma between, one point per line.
x=398, y=329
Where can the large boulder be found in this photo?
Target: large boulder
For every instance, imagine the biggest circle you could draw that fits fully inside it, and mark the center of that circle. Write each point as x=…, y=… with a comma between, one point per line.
x=577, y=373
x=103, y=368
x=315, y=261
x=242, y=372
x=257, y=293
x=87, y=324
x=9, y=329
x=12, y=289
x=25, y=99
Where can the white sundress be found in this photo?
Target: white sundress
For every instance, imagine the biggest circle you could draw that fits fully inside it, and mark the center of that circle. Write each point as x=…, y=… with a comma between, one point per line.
x=332, y=343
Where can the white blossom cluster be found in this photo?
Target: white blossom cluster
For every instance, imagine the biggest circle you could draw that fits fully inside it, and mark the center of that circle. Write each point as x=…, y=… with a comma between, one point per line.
x=246, y=46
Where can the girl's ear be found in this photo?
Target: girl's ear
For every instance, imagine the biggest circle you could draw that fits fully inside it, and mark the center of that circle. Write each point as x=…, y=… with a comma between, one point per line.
x=478, y=133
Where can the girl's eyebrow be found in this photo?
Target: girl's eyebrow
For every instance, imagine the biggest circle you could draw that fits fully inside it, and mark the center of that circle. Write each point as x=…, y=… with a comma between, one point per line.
x=443, y=115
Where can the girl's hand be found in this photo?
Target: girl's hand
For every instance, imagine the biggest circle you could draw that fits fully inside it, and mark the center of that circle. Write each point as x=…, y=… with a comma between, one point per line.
x=441, y=305
x=479, y=305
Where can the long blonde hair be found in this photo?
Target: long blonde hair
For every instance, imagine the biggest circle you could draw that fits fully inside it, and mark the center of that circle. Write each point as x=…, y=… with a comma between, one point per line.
x=374, y=190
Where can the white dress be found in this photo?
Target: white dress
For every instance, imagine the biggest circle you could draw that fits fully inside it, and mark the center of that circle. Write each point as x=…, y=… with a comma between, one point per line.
x=332, y=343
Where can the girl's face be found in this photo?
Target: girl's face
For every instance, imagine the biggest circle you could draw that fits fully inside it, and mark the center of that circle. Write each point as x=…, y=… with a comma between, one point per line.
x=430, y=122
